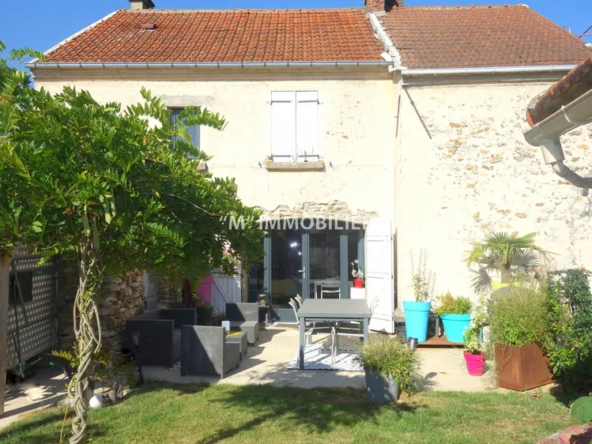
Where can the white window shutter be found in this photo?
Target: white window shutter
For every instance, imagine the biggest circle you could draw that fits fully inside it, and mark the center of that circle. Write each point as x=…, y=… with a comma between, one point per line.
x=283, y=126
x=379, y=274
x=307, y=125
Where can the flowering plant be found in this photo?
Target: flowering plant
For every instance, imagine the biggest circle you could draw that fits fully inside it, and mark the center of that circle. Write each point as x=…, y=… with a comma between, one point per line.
x=356, y=272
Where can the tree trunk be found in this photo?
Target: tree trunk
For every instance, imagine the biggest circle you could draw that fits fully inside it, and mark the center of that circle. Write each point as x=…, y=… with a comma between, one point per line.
x=87, y=328
x=506, y=274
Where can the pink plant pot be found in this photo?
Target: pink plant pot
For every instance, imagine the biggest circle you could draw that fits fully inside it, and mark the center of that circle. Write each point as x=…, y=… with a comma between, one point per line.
x=204, y=291
x=475, y=364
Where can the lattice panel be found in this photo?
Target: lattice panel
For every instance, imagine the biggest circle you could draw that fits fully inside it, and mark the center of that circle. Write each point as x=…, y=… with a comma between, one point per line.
x=38, y=334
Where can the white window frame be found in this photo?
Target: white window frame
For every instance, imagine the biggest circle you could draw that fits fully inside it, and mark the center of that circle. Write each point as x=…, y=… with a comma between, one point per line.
x=295, y=126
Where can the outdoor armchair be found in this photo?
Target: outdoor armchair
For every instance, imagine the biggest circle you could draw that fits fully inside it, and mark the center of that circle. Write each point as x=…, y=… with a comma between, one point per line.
x=245, y=318
x=205, y=351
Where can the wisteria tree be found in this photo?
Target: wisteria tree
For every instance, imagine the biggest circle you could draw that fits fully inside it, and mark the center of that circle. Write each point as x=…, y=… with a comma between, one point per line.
x=114, y=190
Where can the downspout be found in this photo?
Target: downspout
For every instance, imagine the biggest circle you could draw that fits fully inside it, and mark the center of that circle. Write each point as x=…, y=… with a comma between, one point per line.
x=564, y=107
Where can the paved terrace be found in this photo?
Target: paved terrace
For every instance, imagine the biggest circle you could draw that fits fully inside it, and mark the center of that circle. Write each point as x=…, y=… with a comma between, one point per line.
x=267, y=362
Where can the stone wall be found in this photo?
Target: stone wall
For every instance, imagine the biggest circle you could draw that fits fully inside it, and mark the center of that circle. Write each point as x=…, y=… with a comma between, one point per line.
x=477, y=174
x=335, y=209
x=168, y=295
x=121, y=299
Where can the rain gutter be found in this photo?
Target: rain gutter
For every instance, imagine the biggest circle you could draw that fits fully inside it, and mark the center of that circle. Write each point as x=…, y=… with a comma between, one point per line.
x=158, y=65
x=486, y=70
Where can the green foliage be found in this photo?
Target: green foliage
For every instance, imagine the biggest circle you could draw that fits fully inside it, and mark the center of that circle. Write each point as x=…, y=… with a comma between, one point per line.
x=510, y=256
x=72, y=357
x=422, y=280
x=448, y=304
x=473, y=334
x=110, y=368
x=72, y=167
x=114, y=370
x=391, y=357
x=518, y=316
x=473, y=343
x=570, y=307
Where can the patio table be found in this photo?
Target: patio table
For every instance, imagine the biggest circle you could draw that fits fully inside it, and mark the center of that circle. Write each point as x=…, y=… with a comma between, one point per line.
x=331, y=310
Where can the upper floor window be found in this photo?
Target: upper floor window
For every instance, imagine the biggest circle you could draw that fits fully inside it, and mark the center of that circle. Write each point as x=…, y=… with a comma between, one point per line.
x=192, y=130
x=294, y=126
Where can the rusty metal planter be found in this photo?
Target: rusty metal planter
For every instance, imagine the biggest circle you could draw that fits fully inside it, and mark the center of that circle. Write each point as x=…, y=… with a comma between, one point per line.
x=522, y=368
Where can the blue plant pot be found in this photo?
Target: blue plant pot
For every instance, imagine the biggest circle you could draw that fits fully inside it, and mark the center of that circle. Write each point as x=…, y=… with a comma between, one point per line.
x=417, y=315
x=455, y=326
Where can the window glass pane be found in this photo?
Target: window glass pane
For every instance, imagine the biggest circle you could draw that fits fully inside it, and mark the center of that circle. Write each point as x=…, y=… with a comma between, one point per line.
x=193, y=130
x=353, y=253
x=286, y=263
x=324, y=264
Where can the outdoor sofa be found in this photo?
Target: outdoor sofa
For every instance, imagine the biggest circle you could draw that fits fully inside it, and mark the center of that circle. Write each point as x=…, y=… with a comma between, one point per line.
x=160, y=335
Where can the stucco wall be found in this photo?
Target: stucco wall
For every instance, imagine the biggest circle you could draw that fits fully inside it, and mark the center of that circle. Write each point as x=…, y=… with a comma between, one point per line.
x=477, y=174
x=356, y=135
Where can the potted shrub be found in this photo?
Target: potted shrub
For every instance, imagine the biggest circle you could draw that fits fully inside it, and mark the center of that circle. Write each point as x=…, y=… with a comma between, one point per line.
x=417, y=312
x=474, y=354
x=520, y=332
x=357, y=274
x=390, y=368
x=455, y=313
x=508, y=257
x=204, y=311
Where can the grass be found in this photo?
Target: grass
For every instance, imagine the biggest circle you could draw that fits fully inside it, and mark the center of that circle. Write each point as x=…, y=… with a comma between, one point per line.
x=166, y=413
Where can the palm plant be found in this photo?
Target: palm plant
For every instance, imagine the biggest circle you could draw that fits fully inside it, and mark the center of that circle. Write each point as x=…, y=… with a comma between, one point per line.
x=507, y=255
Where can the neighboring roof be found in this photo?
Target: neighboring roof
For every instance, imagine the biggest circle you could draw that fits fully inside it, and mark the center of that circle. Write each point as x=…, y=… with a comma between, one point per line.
x=575, y=84
x=479, y=36
x=225, y=36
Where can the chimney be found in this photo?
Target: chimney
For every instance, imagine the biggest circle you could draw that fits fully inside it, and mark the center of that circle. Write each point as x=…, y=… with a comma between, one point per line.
x=382, y=5
x=139, y=5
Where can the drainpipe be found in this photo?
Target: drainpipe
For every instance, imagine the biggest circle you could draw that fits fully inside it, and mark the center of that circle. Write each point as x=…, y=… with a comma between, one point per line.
x=564, y=107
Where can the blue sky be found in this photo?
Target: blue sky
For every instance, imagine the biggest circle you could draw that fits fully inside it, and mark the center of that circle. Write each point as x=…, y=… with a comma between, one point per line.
x=43, y=23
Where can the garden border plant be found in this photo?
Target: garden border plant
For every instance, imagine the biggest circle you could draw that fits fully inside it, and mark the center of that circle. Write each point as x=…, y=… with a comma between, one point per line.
x=515, y=259
x=519, y=337
x=395, y=363
x=570, y=308
x=417, y=312
x=455, y=313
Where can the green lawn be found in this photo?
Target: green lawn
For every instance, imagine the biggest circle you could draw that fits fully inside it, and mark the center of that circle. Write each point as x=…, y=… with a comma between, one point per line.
x=263, y=414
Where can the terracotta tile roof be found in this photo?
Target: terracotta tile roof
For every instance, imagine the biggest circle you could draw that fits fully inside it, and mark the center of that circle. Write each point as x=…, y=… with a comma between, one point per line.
x=226, y=36
x=459, y=37
x=573, y=85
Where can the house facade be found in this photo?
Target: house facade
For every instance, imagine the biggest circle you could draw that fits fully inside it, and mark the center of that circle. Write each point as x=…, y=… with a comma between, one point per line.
x=360, y=135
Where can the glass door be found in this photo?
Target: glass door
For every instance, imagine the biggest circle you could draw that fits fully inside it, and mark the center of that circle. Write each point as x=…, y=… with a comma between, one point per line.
x=288, y=268
x=311, y=262
x=325, y=264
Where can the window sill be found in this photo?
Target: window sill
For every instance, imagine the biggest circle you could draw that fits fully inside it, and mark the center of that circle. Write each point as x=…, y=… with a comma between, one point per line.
x=318, y=165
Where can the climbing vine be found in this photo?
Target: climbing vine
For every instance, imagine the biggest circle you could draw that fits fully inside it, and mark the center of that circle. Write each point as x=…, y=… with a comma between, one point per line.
x=114, y=189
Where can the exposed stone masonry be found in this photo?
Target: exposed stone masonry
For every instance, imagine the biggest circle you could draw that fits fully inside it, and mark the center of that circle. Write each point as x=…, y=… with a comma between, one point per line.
x=122, y=298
